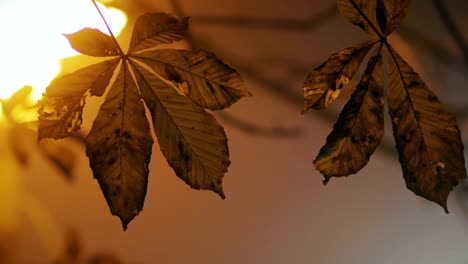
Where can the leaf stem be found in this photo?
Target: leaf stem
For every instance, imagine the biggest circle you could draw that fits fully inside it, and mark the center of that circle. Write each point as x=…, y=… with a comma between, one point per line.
x=382, y=38
x=122, y=54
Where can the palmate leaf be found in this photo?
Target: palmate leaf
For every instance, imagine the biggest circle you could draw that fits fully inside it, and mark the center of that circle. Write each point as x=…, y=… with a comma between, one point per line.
x=119, y=144
x=426, y=134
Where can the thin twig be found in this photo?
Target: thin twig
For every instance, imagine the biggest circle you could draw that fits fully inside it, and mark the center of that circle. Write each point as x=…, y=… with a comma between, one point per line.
x=451, y=27
x=269, y=23
x=256, y=130
x=109, y=29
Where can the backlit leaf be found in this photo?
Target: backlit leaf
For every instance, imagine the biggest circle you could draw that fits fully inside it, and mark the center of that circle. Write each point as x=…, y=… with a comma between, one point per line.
x=153, y=29
x=323, y=85
x=176, y=86
x=426, y=135
x=186, y=130
x=358, y=131
x=199, y=75
x=119, y=148
x=93, y=42
x=61, y=109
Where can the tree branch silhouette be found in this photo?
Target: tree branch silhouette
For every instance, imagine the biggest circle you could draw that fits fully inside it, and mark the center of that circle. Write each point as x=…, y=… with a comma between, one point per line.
x=451, y=27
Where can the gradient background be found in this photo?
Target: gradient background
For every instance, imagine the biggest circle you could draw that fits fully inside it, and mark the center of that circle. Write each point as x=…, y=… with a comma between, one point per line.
x=277, y=210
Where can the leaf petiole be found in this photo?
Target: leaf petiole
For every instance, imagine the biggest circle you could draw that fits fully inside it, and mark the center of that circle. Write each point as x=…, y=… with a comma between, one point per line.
x=382, y=38
x=122, y=54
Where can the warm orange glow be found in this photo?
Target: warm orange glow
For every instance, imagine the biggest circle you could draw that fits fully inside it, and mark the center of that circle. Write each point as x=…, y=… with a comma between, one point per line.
x=32, y=41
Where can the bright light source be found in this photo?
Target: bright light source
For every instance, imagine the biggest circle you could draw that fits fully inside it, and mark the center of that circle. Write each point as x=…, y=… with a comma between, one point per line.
x=32, y=43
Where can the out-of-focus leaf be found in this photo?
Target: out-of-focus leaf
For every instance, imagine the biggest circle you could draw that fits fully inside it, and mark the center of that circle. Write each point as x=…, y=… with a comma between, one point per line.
x=119, y=148
x=93, y=42
x=376, y=17
x=323, y=85
x=199, y=75
x=73, y=253
x=21, y=139
x=358, y=131
x=60, y=155
x=182, y=128
x=61, y=108
x=153, y=29
x=104, y=258
x=427, y=135
x=20, y=97
x=119, y=144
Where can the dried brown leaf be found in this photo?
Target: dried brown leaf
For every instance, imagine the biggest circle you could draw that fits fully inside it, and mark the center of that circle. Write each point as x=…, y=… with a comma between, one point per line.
x=153, y=29
x=119, y=144
x=186, y=130
x=358, y=131
x=119, y=148
x=61, y=108
x=199, y=75
x=323, y=85
x=377, y=17
x=93, y=42
x=427, y=135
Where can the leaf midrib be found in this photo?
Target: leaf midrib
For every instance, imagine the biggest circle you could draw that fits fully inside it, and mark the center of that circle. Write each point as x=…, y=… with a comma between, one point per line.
x=182, y=69
x=408, y=97
x=135, y=67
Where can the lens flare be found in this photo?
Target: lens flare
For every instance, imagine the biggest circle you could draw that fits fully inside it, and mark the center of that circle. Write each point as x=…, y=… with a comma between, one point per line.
x=32, y=41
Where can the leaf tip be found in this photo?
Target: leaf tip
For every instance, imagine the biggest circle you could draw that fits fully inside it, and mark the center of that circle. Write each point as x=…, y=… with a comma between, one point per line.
x=125, y=220
x=124, y=225
x=220, y=192
x=443, y=204
x=325, y=180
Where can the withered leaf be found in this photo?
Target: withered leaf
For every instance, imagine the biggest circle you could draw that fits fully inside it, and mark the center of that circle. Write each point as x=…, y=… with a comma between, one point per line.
x=377, y=17
x=358, y=131
x=119, y=148
x=119, y=144
x=199, y=75
x=62, y=106
x=323, y=85
x=204, y=158
x=153, y=29
x=426, y=134
x=93, y=42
